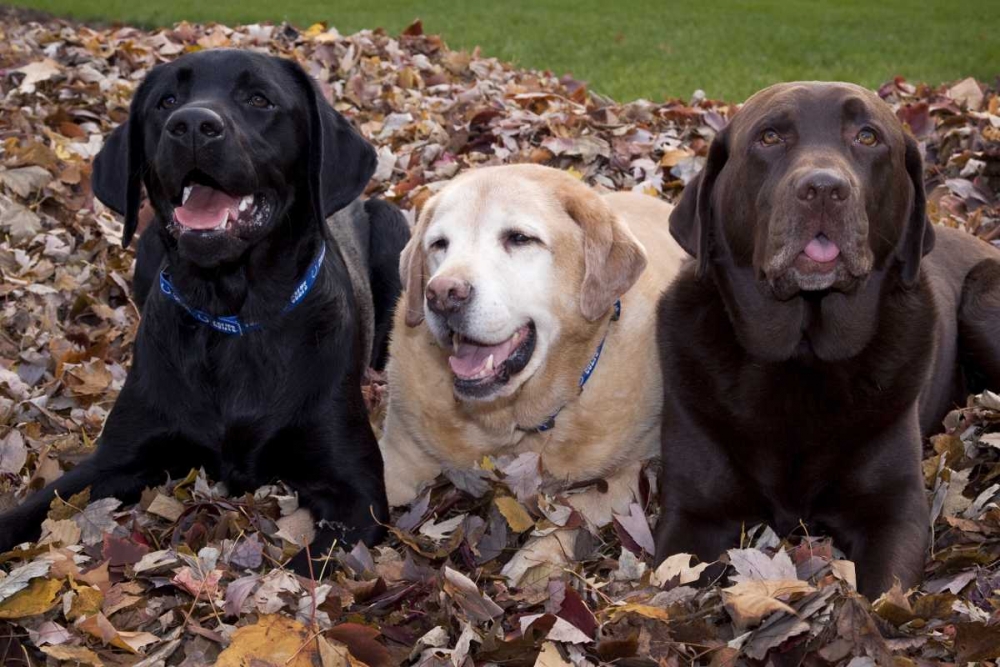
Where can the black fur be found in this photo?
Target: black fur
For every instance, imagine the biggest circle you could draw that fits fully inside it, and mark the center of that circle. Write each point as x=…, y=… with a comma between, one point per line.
x=283, y=402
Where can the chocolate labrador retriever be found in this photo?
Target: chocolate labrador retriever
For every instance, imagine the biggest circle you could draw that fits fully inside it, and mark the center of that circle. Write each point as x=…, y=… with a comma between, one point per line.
x=817, y=337
x=259, y=317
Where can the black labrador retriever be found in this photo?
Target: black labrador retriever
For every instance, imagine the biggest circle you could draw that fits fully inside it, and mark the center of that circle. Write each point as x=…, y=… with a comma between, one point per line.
x=259, y=316
x=817, y=337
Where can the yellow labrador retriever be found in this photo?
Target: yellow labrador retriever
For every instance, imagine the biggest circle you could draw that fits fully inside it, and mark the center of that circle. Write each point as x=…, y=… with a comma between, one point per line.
x=528, y=324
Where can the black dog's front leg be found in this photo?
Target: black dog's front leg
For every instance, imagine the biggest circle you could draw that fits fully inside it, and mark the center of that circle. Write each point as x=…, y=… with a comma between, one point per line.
x=339, y=478
x=103, y=473
x=135, y=451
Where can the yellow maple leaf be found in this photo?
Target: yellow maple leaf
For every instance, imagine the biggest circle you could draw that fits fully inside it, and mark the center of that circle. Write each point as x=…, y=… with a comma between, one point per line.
x=37, y=598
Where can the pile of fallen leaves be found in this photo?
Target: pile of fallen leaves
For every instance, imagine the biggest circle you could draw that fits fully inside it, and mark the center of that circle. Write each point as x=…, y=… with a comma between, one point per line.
x=190, y=576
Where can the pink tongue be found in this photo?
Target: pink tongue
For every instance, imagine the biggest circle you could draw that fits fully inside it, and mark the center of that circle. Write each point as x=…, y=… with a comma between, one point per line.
x=821, y=249
x=206, y=208
x=470, y=359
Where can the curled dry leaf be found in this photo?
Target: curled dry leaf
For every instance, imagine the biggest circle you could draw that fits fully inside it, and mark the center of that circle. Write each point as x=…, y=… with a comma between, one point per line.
x=748, y=602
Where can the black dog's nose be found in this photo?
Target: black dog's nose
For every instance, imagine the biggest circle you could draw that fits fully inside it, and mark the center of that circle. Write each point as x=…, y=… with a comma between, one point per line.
x=204, y=123
x=823, y=185
x=447, y=295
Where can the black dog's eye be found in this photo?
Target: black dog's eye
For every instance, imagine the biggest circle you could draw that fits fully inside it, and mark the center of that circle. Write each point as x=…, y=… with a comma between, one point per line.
x=770, y=137
x=168, y=102
x=518, y=239
x=867, y=137
x=440, y=244
x=258, y=101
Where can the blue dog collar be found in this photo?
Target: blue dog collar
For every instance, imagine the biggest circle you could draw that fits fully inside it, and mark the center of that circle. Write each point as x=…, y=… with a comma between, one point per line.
x=587, y=372
x=232, y=324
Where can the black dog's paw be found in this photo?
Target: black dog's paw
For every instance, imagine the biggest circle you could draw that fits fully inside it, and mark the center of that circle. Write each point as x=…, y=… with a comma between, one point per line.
x=300, y=564
x=333, y=536
x=14, y=531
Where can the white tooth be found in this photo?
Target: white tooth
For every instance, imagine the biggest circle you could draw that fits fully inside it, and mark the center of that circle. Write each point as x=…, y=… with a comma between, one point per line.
x=489, y=363
x=517, y=335
x=187, y=193
x=246, y=202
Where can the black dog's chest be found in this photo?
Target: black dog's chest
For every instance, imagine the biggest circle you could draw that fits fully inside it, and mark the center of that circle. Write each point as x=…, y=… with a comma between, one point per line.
x=231, y=394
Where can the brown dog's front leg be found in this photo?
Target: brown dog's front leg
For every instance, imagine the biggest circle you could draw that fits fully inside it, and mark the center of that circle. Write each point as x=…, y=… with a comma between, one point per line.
x=679, y=532
x=887, y=548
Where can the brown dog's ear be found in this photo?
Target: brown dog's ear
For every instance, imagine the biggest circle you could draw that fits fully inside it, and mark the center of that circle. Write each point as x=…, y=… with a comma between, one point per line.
x=691, y=219
x=613, y=257
x=918, y=236
x=413, y=269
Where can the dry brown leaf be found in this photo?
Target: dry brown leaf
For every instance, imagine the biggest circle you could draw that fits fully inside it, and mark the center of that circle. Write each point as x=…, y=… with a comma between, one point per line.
x=749, y=602
x=297, y=528
x=169, y=508
x=517, y=517
x=644, y=610
x=677, y=566
x=86, y=602
x=276, y=639
x=73, y=655
x=37, y=598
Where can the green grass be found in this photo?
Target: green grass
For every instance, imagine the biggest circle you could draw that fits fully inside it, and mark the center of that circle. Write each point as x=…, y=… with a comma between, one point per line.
x=649, y=48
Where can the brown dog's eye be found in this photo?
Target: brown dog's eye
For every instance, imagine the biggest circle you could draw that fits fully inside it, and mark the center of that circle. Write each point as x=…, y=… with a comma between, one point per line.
x=770, y=137
x=440, y=244
x=168, y=102
x=258, y=101
x=867, y=137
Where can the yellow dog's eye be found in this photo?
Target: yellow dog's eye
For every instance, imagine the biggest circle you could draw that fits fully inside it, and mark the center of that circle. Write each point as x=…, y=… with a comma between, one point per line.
x=518, y=239
x=867, y=137
x=440, y=244
x=770, y=137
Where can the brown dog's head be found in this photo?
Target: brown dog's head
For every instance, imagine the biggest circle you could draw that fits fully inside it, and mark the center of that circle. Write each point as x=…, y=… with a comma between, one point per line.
x=813, y=185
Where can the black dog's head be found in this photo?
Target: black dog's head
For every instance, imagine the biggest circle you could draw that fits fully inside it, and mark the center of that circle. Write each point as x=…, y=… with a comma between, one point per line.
x=812, y=185
x=229, y=144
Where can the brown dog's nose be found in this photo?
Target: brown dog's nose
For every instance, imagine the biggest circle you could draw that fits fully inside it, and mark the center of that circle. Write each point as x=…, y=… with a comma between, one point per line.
x=447, y=295
x=821, y=186
x=204, y=123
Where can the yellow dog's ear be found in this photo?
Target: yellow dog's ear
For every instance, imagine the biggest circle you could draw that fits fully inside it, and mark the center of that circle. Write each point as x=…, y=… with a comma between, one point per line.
x=613, y=258
x=413, y=268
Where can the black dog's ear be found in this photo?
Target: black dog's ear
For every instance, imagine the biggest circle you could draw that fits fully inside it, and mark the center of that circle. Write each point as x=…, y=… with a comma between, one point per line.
x=691, y=220
x=119, y=167
x=111, y=170
x=341, y=161
x=918, y=236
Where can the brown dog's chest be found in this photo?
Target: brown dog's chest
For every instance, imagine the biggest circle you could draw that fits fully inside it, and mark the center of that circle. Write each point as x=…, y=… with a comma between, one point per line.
x=791, y=433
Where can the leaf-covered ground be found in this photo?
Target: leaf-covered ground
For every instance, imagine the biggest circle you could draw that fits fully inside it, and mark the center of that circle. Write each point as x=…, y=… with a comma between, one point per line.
x=190, y=576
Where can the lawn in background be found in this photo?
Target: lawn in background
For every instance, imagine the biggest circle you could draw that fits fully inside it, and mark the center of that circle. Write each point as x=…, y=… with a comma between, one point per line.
x=648, y=48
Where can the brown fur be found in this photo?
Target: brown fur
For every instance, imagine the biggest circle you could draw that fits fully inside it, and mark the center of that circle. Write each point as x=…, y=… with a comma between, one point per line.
x=807, y=407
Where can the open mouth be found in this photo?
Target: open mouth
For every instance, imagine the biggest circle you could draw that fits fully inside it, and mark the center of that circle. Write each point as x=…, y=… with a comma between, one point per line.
x=478, y=366
x=203, y=206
